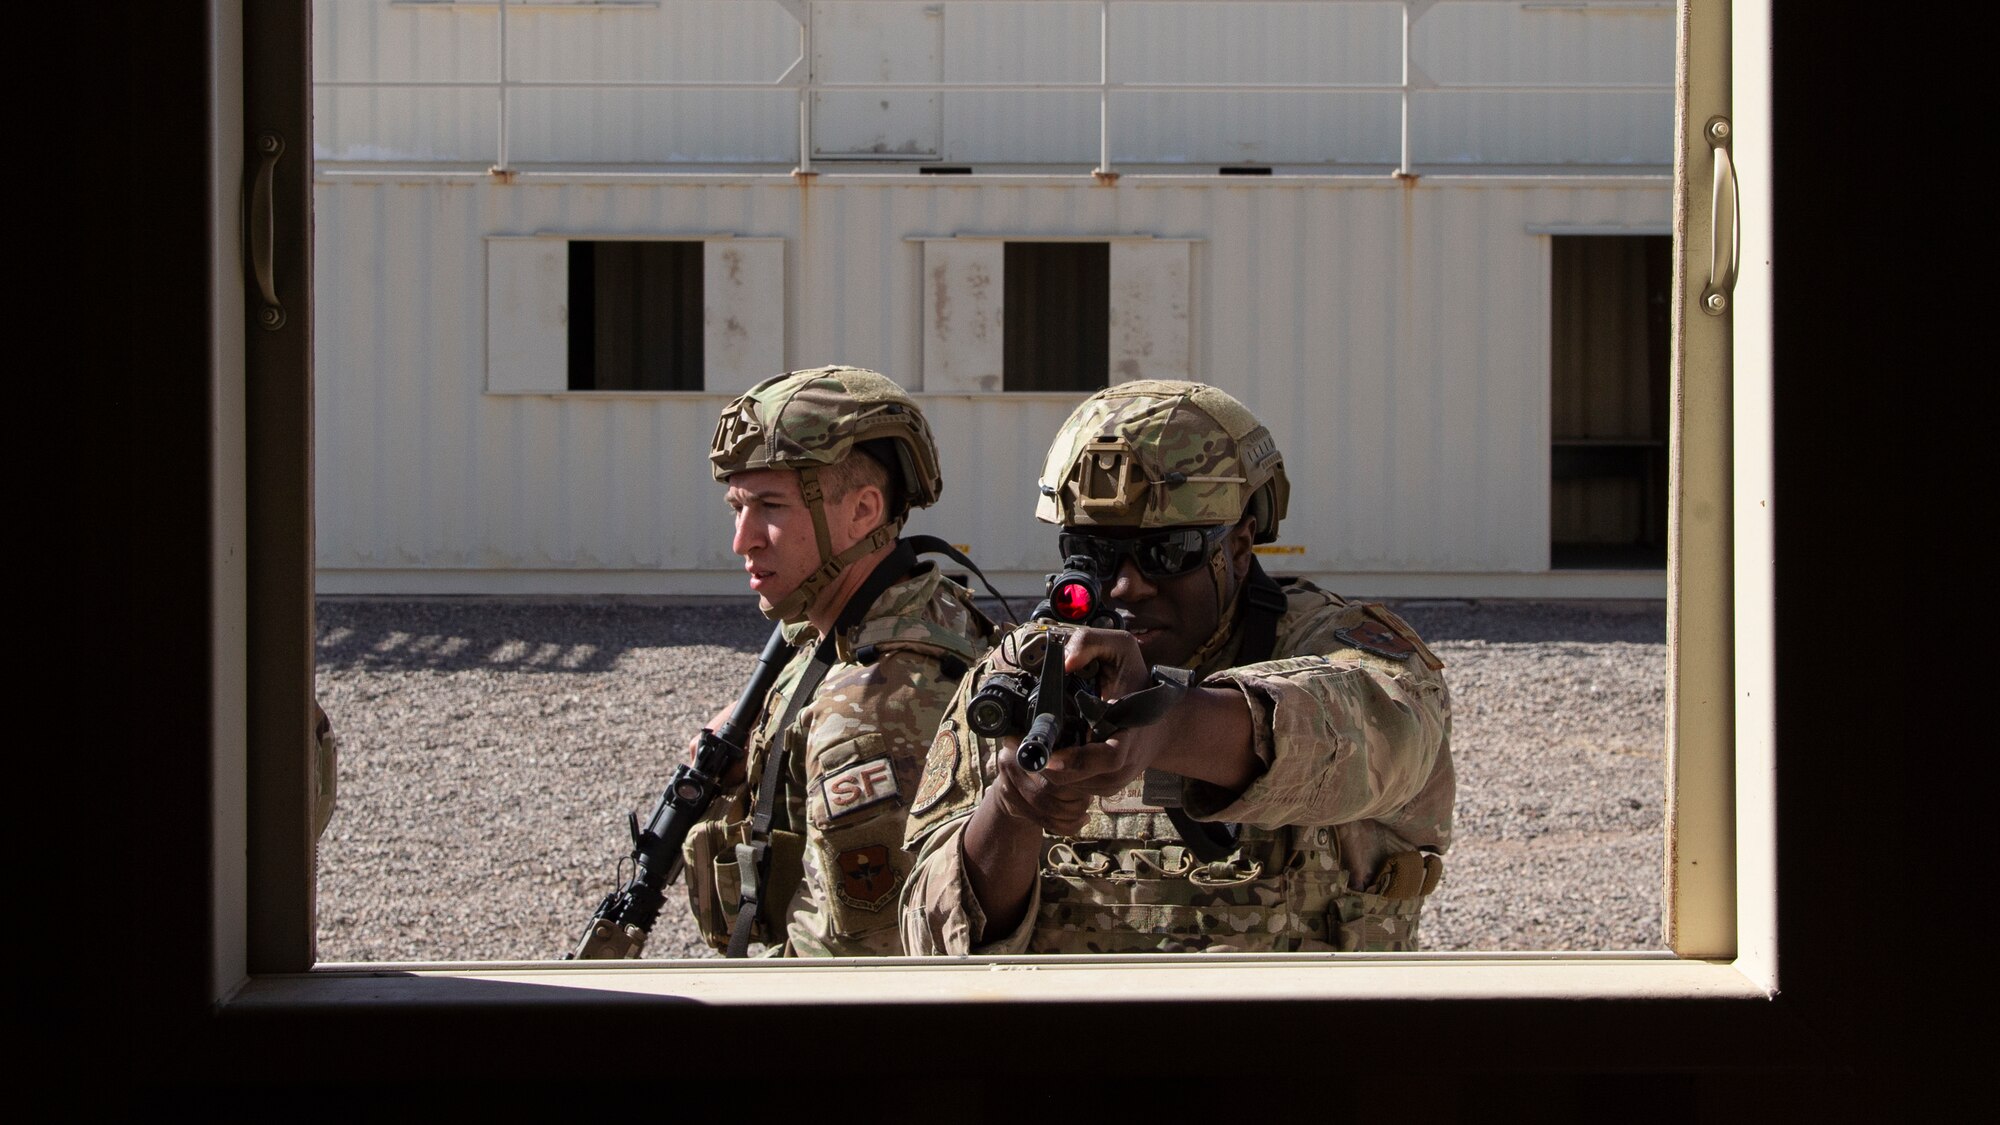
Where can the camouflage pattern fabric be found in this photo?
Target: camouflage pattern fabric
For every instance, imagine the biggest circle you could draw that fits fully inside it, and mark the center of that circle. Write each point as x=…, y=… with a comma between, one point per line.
x=813, y=418
x=1353, y=722
x=856, y=755
x=805, y=421
x=1161, y=453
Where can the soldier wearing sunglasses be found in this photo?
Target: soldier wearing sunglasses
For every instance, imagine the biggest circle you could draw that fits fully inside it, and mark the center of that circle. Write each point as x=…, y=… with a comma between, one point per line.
x=1298, y=796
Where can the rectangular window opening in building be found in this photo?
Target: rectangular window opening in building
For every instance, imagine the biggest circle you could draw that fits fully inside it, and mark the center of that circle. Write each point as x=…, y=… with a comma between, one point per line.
x=1609, y=324
x=635, y=316
x=1058, y=316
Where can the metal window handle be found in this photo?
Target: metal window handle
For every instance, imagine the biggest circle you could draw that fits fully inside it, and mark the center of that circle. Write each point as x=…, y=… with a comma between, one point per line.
x=260, y=229
x=1724, y=233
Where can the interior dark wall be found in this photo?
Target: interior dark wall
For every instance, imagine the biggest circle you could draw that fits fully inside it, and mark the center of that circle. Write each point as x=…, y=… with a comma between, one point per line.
x=127, y=365
x=1836, y=1042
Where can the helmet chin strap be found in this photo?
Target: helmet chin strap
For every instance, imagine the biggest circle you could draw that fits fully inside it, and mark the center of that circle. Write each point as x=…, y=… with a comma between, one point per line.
x=1226, y=602
x=798, y=603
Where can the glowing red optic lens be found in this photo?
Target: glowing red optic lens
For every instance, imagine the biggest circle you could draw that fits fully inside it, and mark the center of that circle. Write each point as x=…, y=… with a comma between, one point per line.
x=1071, y=601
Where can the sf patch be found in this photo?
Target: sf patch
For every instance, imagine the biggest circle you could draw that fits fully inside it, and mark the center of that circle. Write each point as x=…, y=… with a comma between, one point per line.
x=939, y=769
x=856, y=787
x=867, y=879
x=1373, y=636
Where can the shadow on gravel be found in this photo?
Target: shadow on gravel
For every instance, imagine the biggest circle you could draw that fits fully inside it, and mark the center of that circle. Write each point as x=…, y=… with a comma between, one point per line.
x=553, y=637
x=1526, y=622
x=1522, y=621
x=569, y=637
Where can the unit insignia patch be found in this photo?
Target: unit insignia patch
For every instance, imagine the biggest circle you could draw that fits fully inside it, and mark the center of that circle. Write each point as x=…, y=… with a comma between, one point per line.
x=939, y=769
x=1375, y=637
x=867, y=879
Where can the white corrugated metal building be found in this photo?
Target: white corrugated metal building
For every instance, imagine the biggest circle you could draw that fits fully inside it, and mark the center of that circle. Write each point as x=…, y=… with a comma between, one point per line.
x=1425, y=242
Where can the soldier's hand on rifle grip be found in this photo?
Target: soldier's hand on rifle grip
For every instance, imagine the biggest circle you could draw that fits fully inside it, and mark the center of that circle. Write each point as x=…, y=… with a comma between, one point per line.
x=1112, y=657
x=1113, y=660
x=1035, y=798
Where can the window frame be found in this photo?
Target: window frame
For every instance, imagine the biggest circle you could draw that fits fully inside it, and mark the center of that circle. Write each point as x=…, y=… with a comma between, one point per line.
x=1151, y=295
x=526, y=312
x=1618, y=1009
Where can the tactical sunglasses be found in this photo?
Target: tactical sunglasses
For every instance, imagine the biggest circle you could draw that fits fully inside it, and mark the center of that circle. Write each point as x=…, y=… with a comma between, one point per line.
x=1163, y=554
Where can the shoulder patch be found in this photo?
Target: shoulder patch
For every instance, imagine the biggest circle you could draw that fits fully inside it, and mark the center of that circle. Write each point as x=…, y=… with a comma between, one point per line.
x=867, y=878
x=853, y=788
x=1394, y=621
x=939, y=769
x=1373, y=636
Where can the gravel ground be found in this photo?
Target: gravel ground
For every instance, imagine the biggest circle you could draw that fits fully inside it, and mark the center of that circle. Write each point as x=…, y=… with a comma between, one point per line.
x=490, y=749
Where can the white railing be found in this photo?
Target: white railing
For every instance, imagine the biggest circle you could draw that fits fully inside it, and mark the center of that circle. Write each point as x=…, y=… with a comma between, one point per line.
x=797, y=74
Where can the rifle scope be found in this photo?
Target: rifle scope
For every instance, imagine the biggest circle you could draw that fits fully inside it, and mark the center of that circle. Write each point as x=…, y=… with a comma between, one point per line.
x=1035, y=703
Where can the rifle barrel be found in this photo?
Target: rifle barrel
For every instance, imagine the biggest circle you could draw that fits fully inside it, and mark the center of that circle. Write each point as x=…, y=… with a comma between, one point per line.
x=741, y=717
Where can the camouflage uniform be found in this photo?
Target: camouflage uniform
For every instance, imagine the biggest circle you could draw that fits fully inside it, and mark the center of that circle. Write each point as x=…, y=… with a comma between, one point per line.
x=856, y=753
x=1339, y=837
x=855, y=747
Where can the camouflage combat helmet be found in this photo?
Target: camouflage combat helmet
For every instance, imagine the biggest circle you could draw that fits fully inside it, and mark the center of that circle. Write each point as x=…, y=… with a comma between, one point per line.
x=809, y=420
x=1163, y=453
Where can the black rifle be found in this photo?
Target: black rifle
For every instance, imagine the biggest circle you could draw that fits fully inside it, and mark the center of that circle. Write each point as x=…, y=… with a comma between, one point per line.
x=626, y=915
x=1050, y=708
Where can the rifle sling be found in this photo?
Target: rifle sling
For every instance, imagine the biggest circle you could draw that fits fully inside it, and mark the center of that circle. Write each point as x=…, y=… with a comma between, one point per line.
x=932, y=545
x=1263, y=605
x=753, y=859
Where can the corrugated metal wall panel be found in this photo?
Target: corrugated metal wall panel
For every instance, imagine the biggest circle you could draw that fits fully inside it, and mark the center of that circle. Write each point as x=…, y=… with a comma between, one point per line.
x=1394, y=338
x=1257, y=43
x=383, y=126
x=1264, y=128
x=569, y=126
x=1057, y=41
x=1603, y=127
x=374, y=40
x=1484, y=42
x=733, y=41
x=683, y=40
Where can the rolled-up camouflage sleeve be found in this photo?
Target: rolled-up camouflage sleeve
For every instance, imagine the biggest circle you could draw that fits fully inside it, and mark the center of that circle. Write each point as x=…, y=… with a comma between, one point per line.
x=940, y=912
x=1344, y=737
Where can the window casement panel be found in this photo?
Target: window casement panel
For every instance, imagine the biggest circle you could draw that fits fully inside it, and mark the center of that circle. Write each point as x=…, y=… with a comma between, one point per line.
x=527, y=312
x=965, y=335
x=742, y=312
x=965, y=313
x=1149, y=310
x=527, y=315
